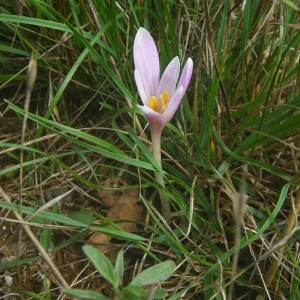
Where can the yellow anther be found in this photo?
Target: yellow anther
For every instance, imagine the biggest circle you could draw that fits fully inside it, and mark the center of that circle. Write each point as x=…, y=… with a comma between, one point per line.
x=153, y=103
x=164, y=98
x=159, y=105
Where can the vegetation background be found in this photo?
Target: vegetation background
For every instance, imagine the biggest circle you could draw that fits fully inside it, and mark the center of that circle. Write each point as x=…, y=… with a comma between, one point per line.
x=75, y=153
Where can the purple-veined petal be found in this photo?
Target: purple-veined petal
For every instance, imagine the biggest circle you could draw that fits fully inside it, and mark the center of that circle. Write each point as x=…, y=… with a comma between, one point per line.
x=173, y=104
x=146, y=60
x=140, y=86
x=186, y=74
x=155, y=119
x=169, y=78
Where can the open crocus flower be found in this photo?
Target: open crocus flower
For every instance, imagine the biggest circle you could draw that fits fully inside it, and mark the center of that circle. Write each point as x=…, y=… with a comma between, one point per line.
x=160, y=96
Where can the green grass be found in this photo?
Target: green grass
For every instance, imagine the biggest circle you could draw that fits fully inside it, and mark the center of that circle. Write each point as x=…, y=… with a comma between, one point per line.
x=236, y=133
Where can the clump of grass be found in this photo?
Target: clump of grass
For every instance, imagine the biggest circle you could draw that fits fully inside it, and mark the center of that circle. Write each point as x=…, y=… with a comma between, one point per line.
x=235, y=137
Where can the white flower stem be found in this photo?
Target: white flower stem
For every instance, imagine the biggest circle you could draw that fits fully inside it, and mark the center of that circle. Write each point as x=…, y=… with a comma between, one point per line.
x=156, y=150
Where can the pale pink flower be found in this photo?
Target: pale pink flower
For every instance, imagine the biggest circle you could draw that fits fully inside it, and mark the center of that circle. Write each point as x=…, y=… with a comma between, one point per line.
x=161, y=96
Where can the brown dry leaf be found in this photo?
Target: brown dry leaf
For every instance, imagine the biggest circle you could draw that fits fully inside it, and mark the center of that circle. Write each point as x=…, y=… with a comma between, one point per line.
x=128, y=215
x=126, y=208
x=123, y=208
x=131, y=196
x=100, y=241
x=109, y=197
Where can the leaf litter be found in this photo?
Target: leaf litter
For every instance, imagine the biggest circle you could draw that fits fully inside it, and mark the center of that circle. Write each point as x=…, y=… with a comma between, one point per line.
x=123, y=209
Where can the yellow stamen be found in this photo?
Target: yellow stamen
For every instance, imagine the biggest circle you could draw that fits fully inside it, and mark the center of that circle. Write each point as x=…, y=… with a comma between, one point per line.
x=153, y=103
x=164, y=98
x=159, y=105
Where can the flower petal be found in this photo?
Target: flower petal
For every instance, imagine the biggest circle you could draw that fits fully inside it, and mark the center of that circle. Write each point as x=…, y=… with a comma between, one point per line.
x=140, y=86
x=173, y=105
x=186, y=74
x=146, y=60
x=155, y=119
x=170, y=77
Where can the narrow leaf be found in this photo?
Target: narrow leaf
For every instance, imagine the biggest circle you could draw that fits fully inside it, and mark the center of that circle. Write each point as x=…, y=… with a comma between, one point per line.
x=119, y=267
x=102, y=264
x=154, y=274
x=84, y=294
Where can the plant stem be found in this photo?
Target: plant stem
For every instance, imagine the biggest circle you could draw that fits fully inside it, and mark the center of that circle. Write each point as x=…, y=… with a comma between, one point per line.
x=291, y=221
x=156, y=150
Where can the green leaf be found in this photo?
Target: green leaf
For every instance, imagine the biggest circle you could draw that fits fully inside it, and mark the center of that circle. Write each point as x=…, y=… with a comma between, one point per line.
x=247, y=241
x=179, y=294
x=45, y=238
x=119, y=234
x=16, y=167
x=84, y=217
x=102, y=264
x=133, y=292
x=154, y=274
x=158, y=293
x=18, y=262
x=84, y=140
x=43, y=214
x=119, y=267
x=144, y=150
x=84, y=294
x=291, y=4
